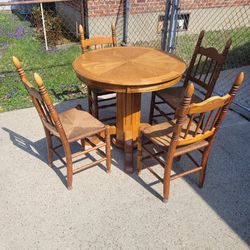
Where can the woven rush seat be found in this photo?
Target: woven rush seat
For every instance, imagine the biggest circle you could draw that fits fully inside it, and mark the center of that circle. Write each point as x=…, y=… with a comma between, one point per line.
x=174, y=96
x=79, y=124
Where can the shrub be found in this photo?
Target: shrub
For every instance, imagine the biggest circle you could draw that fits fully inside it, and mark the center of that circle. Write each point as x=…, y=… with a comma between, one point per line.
x=53, y=25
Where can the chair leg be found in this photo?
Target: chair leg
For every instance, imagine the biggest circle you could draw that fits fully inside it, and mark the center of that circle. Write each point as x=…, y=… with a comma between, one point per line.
x=69, y=165
x=204, y=166
x=90, y=101
x=178, y=158
x=95, y=104
x=108, y=154
x=83, y=144
x=128, y=152
x=152, y=107
x=166, y=180
x=139, y=153
x=49, y=147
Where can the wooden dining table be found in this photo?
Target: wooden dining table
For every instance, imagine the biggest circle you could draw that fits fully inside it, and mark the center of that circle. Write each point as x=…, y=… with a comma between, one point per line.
x=128, y=71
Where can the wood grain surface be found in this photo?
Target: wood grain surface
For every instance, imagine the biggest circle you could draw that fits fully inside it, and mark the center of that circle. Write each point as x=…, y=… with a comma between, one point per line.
x=121, y=68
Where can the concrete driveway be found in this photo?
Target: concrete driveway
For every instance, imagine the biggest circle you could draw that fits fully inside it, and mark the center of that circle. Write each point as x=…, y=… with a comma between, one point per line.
x=119, y=211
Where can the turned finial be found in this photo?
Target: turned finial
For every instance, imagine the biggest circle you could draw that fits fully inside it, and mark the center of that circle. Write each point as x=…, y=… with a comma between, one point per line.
x=16, y=62
x=237, y=83
x=113, y=29
x=81, y=31
x=228, y=44
x=181, y=110
x=239, y=79
x=189, y=91
x=201, y=34
x=38, y=80
x=20, y=70
x=81, y=35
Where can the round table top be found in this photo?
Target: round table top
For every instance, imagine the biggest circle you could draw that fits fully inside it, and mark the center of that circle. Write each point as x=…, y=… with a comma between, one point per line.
x=125, y=67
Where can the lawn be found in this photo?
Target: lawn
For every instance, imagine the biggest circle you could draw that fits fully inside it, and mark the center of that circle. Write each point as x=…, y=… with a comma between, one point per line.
x=55, y=66
x=238, y=55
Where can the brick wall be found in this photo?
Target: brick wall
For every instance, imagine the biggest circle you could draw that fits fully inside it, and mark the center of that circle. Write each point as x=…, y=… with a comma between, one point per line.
x=115, y=7
x=105, y=7
x=75, y=4
x=198, y=4
x=143, y=6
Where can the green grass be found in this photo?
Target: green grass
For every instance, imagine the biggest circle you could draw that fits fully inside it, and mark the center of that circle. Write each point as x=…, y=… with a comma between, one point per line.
x=54, y=66
x=238, y=55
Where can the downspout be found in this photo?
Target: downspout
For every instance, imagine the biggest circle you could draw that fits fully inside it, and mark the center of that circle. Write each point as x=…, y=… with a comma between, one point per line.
x=86, y=18
x=165, y=25
x=81, y=13
x=125, y=23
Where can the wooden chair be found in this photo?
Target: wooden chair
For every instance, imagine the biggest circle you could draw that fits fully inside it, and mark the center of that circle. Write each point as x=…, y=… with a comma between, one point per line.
x=204, y=70
x=97, y=98
x=69, y=126
x=183, y=135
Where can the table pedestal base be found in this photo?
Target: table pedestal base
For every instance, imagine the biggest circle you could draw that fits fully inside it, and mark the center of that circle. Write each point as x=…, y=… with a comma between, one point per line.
x=128, y=114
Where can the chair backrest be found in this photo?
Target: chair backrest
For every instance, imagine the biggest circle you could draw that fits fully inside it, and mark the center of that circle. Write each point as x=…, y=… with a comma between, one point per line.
x=97, y=41
x=199, y=121
x=41, y=101
x=205, y=66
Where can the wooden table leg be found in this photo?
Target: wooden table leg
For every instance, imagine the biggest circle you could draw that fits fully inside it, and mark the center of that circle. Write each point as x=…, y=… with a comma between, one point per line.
x=127, y=125
x=128, y=153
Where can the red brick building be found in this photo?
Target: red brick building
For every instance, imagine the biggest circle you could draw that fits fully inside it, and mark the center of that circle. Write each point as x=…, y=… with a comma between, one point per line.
x=113, y=7
x=145, y=16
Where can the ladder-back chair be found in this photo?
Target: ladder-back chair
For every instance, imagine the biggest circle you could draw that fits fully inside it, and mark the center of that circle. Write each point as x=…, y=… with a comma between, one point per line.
x=183, y=135
x=69, y=126
x=97, y=98
x=204, y=70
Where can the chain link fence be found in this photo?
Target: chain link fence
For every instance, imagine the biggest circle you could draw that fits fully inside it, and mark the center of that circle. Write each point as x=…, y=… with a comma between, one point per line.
x=221, y=23
x=145, y=26
x=44, y=35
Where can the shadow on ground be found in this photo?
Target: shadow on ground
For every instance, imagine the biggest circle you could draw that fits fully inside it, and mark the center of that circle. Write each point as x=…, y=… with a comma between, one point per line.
x=226, y=189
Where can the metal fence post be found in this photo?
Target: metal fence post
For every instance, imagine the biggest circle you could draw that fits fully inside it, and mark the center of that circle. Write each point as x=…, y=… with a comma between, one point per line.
x=173, y=26
x=165, y=25
x=125, y=22
x=44, y=28
x=82, y=12
x=86, y=18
